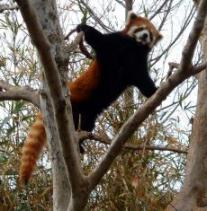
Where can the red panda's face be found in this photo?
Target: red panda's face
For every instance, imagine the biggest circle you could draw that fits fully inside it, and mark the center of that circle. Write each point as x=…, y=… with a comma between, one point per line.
x=142, y=30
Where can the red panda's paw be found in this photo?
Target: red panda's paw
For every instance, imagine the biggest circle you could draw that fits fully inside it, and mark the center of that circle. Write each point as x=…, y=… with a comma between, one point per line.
x=82, y=27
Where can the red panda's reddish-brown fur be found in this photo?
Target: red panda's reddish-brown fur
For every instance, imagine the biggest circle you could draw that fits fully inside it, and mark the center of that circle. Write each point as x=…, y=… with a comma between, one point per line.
x=83, y=86
x=81, y=90
x=32, y=147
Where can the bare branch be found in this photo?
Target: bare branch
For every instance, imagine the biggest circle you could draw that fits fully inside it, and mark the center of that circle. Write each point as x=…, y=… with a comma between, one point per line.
x=195, y=69
x=182, y=29
x=9, y=92
x=193, y=37
x=198, y=68
x=83, y=135
x=121, y=3
x=140, y=115
x=96, y=18
x=128, y=5
x=159, y=9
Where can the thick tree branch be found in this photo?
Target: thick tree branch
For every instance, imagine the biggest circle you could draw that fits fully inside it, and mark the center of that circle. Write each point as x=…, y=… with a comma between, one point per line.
x=61, y=105
x=166, y=88
x=9, y=92
x=189, y=49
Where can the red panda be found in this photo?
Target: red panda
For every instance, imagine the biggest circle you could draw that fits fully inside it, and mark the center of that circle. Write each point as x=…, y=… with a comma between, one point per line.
x=121, y=61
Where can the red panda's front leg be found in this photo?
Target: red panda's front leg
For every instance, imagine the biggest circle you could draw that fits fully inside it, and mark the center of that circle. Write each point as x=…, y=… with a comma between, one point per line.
x=146, y=85
x=93, y=37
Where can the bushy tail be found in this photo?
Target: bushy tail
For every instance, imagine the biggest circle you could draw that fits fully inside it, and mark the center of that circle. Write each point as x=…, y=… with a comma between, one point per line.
x=33, y=145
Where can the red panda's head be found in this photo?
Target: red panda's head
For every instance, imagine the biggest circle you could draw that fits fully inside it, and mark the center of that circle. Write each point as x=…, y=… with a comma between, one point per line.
x=142, y=30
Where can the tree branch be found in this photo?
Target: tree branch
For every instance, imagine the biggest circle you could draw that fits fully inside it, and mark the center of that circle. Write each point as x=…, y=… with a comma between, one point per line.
x=83, y=135
x=9, y=92
x=165, y=89
x=96, y=18
x=195, y=69
x=188, y=51
x=59, y=99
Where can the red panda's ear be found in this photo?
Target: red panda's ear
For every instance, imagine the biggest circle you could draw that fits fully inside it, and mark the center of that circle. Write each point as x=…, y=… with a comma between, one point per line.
x=131, y=16
x=160, y=36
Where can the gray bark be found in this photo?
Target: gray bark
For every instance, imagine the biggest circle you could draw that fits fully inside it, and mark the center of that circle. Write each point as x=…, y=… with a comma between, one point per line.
x=192, y=195
x=46, y=11
x=61, y=186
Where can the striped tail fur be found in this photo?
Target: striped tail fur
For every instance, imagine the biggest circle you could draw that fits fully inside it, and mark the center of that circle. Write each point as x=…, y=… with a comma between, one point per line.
x=32, y=147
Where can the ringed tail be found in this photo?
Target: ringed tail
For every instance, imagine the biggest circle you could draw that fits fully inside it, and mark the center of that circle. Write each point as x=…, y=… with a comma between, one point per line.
x=32, y=147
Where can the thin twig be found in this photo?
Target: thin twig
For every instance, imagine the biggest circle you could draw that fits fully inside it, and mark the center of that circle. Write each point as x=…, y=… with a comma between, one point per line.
x=83, y=135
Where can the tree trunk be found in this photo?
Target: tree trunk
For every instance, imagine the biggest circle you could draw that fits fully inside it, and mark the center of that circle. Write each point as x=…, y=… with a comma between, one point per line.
x=61, y=187
x=46, y=11
x=192, y=195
